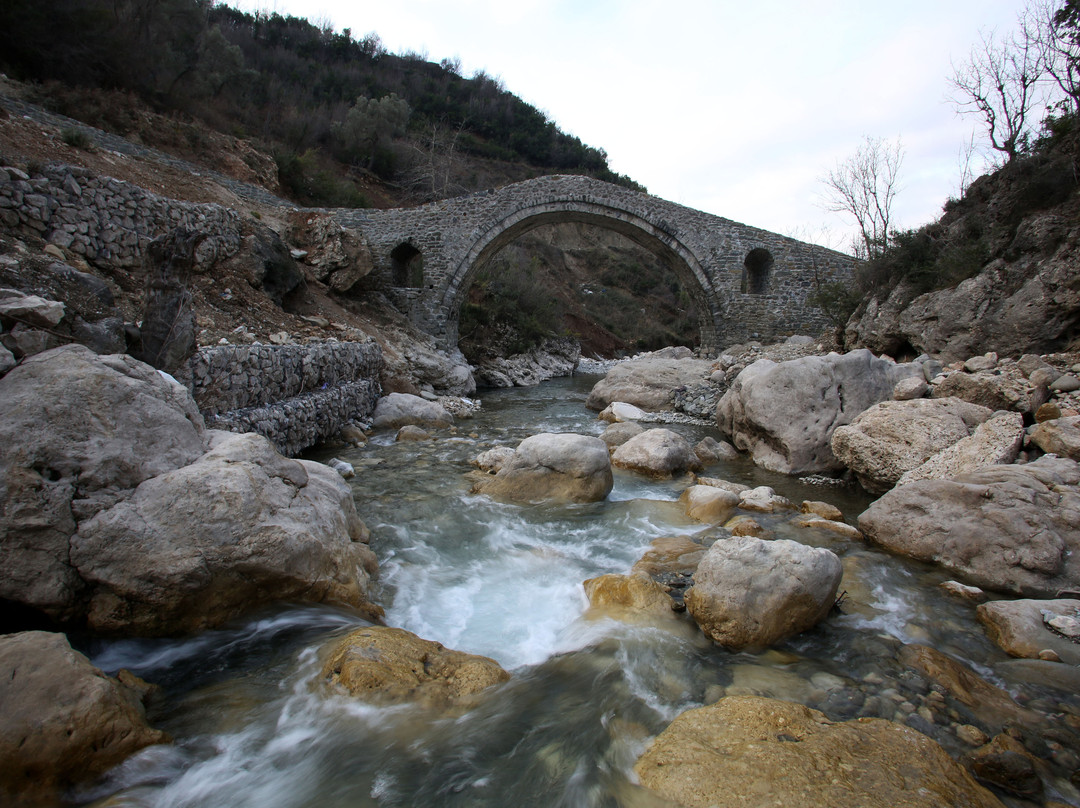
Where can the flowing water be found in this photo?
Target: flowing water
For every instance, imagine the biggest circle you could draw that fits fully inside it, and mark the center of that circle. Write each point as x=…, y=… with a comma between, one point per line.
x=255, y=727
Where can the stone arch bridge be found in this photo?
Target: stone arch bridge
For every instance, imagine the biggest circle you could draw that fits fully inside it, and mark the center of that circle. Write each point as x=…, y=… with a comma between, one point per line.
x=747, y=283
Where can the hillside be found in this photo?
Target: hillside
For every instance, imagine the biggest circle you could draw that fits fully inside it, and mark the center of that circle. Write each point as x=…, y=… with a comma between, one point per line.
x=997, y=272
x=322, y=119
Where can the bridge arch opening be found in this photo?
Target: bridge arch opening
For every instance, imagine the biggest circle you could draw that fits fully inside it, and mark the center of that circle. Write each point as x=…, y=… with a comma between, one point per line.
x=407, y=264
x=756, y=271
x=660, y=242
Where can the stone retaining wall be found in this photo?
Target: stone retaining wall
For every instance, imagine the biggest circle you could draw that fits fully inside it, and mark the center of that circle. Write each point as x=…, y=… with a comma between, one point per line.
x=108, y=221
x=295, y=395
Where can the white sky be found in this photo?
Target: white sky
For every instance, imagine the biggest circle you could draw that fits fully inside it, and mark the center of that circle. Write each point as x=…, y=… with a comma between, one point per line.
x=734, y=108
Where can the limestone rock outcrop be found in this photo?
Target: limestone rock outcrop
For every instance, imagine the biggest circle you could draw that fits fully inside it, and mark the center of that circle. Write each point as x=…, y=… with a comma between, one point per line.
x=549, y=466
x=62, y=721
x=390, y=666
x=551, y=359
x=749, y=592
x=1006, y=528
x=656, y=452
x=894, y=437
x=748, y=750
x=784, y=414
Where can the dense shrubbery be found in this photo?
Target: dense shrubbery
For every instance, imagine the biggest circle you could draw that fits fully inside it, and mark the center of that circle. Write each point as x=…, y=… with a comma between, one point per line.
x=284, y=80
x=510, y=308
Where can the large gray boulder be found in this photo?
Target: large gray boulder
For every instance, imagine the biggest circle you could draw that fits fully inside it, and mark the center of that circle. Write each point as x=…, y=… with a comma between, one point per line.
x=649, y=382
x=239, y=528
x=658, y=453
x=122, y=513
x=63, y=722
x=893, y=437
x=396, y=410
x=749, y=592
x=80, y=431
x=554, y=466
x=1012, y=528
x=784, y=414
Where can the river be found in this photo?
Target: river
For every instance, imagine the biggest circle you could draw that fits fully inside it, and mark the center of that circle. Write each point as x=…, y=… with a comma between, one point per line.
x=255, y=727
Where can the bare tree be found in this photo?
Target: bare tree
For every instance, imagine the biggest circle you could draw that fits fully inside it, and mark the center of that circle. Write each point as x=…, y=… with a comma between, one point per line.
x=864, y=186
x=1051, y=26
x=967, y=170
x=999, y=83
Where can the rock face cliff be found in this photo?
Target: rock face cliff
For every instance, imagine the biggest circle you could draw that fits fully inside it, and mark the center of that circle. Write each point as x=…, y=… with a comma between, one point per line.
x=998, y=271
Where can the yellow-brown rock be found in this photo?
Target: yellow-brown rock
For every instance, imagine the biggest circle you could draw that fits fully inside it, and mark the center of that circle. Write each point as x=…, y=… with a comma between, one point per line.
x=670, y=555
x=751, y=751
x=638, y=593
x=708, y=504
x=390, y=665
x=823, y=509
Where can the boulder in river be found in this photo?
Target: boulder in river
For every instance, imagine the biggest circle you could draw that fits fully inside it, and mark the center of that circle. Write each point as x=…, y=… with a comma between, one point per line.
x=658, y=453
x=749, y=592
x=784, y=413
x=396, y=410
x=63, y=722
x=648, y=382
x=391, y=666
x=549, y=466
x=748, y=750
x=1022, y=628
x=893, y=437
x=117, y=517
x=1006, y=528
x=240, y=527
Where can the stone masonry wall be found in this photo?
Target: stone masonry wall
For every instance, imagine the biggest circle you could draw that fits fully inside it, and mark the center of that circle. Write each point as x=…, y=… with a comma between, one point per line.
x=108, y=221
x=295, y=395
x=708, y=253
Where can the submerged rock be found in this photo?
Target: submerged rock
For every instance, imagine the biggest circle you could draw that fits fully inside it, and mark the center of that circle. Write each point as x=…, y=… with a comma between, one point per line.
x=747, y=750
x=752, y=592
x=559, y=467
x=62, y=721
x=390, y=665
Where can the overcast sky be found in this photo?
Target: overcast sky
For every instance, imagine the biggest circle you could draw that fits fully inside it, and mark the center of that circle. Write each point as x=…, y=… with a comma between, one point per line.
x=735, y=108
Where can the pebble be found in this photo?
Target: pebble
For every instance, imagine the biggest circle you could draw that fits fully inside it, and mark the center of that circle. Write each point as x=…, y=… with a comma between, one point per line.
x=971, y=735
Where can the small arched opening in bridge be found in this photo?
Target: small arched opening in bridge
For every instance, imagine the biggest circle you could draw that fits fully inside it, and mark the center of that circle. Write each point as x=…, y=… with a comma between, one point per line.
x=756, y=271
x=693, y=285
x=407, y=263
